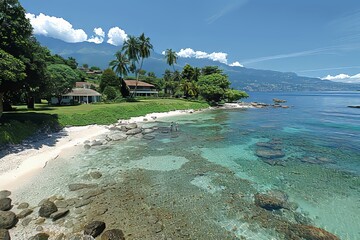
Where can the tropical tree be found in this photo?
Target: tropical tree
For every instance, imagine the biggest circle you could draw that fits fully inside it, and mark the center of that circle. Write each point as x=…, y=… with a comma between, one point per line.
x=233, y=95
x=171, y=57
x=108, y=78
x=208, y=70
x=62, y=79
x=188, y=72
x=213, y=87
x=120, y=64
x=137, y=48
x=11, y=70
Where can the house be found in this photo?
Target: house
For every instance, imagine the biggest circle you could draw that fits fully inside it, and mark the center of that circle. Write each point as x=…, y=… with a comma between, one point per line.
x=143, y=89
x=85, y=85
x=78, y=95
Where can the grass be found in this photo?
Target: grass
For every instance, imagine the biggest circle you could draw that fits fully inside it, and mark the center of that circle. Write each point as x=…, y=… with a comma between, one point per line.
x=18, y=125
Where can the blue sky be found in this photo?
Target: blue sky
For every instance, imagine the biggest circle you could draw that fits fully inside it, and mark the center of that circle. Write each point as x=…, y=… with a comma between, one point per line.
x=310, y=37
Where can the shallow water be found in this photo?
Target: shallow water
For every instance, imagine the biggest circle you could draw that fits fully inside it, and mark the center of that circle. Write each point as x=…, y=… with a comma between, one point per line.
x=199, y=182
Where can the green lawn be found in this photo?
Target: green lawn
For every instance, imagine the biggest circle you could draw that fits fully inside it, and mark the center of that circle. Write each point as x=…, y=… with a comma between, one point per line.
x=16, y=126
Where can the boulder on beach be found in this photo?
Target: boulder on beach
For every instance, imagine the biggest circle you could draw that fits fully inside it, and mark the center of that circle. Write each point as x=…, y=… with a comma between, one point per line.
x=40, y=236
x=131, y=126
x=24, y=213
x=5, y=204
x=4, y=194
x=133, y=131
x=94, y=228
x=47, y=208
x=116, y=136
x=4, y=234
x=113, y=234
x=59, y=214
x=8, y=219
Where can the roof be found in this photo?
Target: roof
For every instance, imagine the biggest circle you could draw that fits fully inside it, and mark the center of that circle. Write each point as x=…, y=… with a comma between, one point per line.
x=140, y=83
x=82, y=92
x=85, y=84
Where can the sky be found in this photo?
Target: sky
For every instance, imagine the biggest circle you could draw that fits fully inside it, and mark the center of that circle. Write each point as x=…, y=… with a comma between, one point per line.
x=316, y=38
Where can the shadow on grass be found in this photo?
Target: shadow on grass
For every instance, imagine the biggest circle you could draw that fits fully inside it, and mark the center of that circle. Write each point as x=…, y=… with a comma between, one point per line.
x=27, y=130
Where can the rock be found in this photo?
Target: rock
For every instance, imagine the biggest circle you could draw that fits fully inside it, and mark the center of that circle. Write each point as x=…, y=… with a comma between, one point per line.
x=40, y=220
x=317, y=160
x=148, y=137
x=87, y=146
x=40, y=236
x=269, y=202
x=47, y=208
x=23, y=205
x=8, y=219
x=59, y=214
x=61, y=203
x=39, y=228
x=147, y=131
x=123, y=128
x=26, y=221
x=4, y=194
x=24, y=213
x=5, y=204
x=82, y=203
x=270, y=154
x=78, y=186
x=131, y=126
x=133, y=131
x=4, y=234
x=113, y=234
x=93, y=193
x=61, y=236
x=117, y=136
x=312, y=233
x=96, y=175
x=94, y=229
x=97, y=143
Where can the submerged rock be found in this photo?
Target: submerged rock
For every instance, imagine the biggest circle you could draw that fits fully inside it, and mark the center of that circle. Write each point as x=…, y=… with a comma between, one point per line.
x=23, y=205
x=312, y=233
x=113, y=234
x=24, y=213
x=5, y=204
x=40, y=236
x=117, y=136
x=96, y=175
x=270, y=201
x=133, y=131
x=4, y=234
x=59, y=214
x=78, y=186
x=47, y=208
x=8, y=219
x=269, y=154
x=94, y=228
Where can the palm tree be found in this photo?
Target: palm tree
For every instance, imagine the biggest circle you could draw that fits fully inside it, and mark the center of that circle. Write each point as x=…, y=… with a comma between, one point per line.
x=120, y=64
x=136, y=48
x=171, y=57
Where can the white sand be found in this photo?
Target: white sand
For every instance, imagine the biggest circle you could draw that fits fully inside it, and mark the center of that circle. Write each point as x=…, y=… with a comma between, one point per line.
x=17, y=168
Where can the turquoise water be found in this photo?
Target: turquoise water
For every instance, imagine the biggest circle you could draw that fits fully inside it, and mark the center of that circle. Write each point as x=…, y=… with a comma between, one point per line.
x=200, y=182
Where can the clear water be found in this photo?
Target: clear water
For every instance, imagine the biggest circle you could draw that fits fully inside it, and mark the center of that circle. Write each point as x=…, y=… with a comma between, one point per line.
x=200, y=181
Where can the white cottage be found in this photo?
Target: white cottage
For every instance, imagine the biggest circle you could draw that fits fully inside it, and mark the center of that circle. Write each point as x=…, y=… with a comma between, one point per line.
x=78, y=95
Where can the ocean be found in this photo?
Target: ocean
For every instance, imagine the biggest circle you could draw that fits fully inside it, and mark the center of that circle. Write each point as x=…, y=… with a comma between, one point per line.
x=200, y=182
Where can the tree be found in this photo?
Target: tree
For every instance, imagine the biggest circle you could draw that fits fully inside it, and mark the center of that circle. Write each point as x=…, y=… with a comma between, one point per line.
x=137, y=48
x=110, y=92
x=11, y=70
x=108, y=78
x=120, y=64
x=62, y=79
x=167, y=79
x=233, y=95
x=208, y=70
x=213, y=87
x=171, y=57
x=188, y=72
x=71, y=62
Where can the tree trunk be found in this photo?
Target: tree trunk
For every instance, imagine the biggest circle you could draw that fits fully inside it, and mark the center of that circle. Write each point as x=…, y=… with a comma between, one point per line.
x=1, y=103
x=31, y=103
x=137, y=77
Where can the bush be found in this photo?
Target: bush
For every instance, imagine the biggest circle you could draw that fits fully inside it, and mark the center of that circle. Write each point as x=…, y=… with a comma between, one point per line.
x=110, y=93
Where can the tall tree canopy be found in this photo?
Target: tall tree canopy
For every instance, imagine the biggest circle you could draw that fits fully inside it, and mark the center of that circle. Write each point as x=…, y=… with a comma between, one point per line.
x=171, y=57
x=108, y=78
x=120, y=64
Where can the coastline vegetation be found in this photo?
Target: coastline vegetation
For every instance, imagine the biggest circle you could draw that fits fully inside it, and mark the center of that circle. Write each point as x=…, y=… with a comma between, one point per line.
x=23, y=123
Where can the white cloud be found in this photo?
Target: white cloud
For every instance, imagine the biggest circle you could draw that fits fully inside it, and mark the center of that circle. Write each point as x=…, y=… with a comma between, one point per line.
x=236, y=64
x=343, y=78
x=116, y=36
x=56, y=27
x=99, y=36
x=215, y=56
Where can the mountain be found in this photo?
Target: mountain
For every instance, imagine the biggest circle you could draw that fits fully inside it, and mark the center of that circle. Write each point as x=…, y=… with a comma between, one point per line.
x=241, y=78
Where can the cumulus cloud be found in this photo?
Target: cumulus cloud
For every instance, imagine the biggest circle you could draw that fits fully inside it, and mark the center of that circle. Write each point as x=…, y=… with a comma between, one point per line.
x=215, y=56
x=343, y=78
x=56, y=27
x=116, y=36
x=236, y=64
x=99, y=36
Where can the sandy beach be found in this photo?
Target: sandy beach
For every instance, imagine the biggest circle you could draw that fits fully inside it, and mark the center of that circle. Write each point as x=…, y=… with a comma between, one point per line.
x=16, y=168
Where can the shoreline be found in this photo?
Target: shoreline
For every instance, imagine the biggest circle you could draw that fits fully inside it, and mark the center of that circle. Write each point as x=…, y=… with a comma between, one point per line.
x=15, y=168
